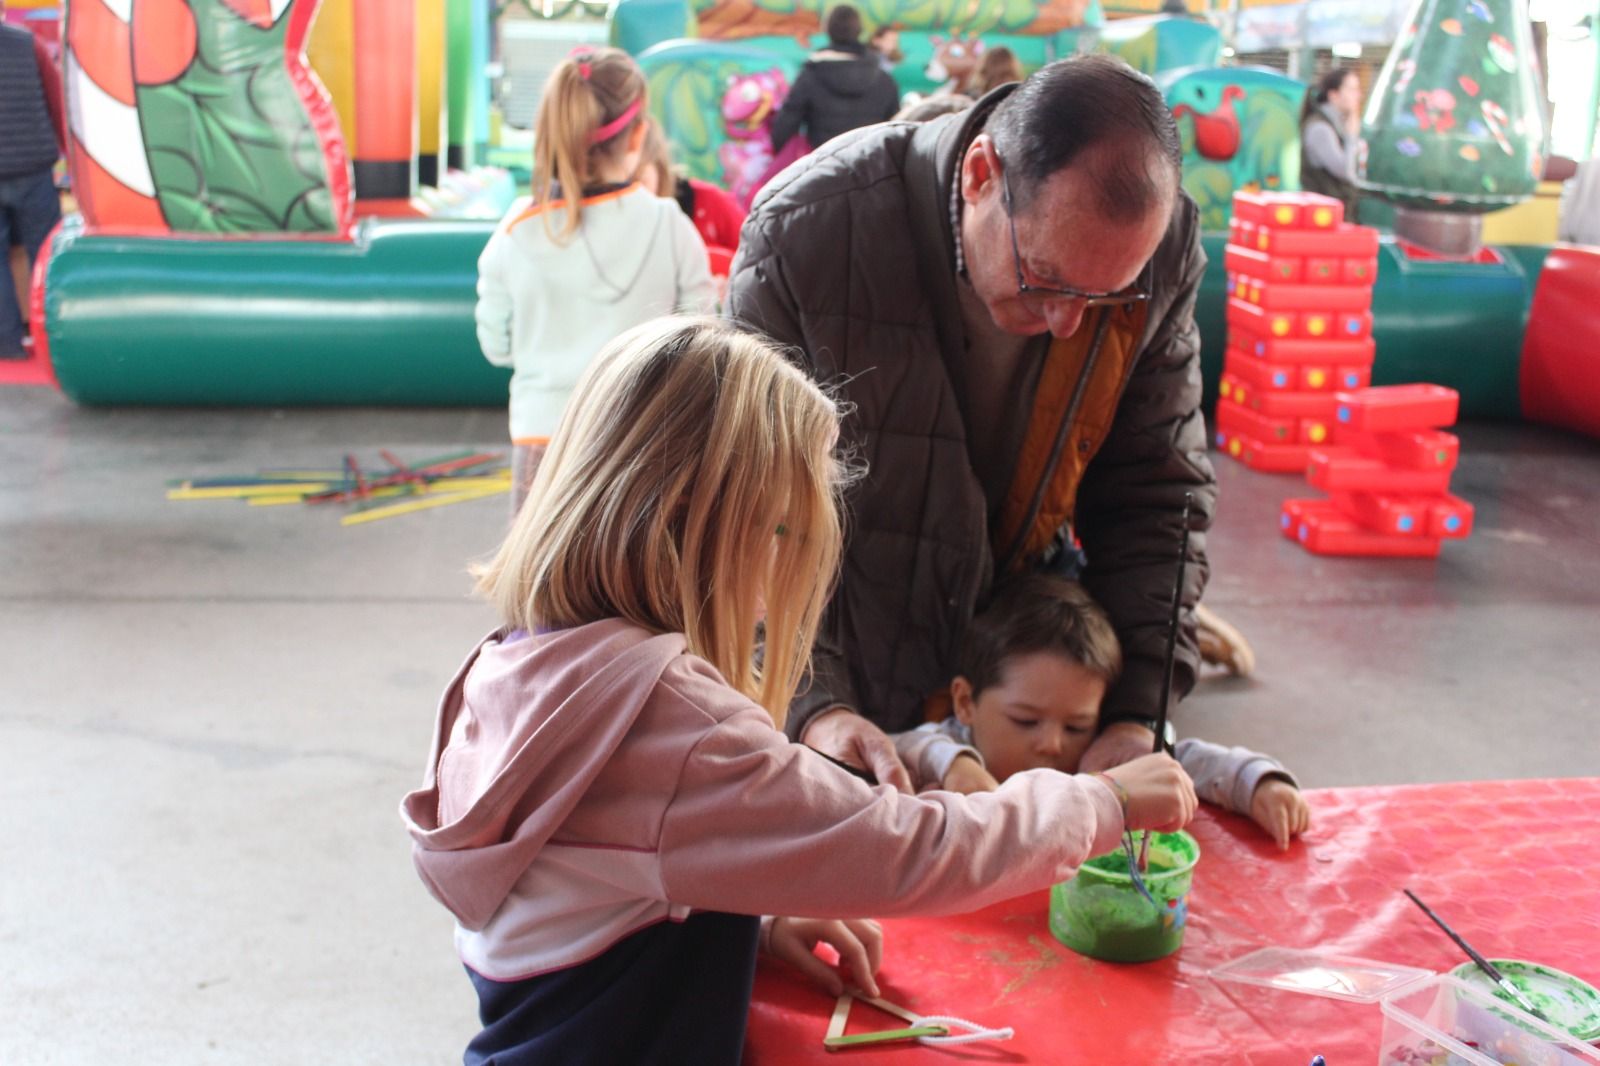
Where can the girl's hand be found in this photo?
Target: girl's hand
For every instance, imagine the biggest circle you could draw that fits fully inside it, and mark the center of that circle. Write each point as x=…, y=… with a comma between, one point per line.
x=858, y=941
x=967, y=775
x=1278, y=807
x=1160, y=795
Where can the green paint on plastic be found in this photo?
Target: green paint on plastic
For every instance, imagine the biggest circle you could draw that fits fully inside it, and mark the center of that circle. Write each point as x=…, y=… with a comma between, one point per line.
x=1102, y=915
x=1570, y=1003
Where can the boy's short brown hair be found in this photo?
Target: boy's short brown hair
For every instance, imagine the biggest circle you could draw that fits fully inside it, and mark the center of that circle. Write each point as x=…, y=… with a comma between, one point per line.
x=1039, y=613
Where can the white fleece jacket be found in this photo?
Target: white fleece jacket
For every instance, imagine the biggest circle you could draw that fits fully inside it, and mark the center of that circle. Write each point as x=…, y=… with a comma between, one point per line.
x=587, y=783
x=546, y=309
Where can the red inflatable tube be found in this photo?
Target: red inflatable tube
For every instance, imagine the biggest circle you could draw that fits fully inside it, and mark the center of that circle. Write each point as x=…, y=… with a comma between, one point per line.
x=1560, y=374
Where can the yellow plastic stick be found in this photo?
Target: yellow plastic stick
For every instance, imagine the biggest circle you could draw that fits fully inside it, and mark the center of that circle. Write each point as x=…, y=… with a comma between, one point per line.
x=236, y=492
x=420, y=504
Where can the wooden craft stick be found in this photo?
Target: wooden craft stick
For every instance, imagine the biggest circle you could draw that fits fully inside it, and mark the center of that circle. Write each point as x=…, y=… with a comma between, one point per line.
x=841, y=1011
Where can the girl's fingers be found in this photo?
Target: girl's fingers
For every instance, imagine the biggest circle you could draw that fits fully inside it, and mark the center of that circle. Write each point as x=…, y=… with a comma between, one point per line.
x=854, y=955
x=870, y=933
x=821, y=974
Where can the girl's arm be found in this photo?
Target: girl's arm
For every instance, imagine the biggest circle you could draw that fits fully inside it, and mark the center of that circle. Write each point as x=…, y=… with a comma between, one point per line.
x=697, y=294
x=493, y=311
x=760, y=825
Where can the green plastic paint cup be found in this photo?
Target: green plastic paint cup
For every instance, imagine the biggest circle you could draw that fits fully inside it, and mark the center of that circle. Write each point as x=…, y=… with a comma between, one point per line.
x=1101, y=914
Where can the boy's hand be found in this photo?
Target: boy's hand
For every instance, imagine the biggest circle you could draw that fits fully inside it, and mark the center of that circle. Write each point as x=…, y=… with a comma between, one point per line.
x=859, y=943
x=967, y=775
x=1160, y=794
x=1278, y=807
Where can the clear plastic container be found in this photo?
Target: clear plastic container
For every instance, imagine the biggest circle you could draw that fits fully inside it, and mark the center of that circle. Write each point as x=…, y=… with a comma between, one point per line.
x=1446, y=1022
x=1319, y=973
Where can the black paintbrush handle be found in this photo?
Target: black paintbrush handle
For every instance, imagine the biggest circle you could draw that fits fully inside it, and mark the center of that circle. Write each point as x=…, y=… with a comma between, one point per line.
x=1172, y=628
x=1483, y=964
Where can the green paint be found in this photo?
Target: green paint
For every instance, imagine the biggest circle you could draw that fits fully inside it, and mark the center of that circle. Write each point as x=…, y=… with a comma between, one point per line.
x=1569, y=1002
x=1100, y=914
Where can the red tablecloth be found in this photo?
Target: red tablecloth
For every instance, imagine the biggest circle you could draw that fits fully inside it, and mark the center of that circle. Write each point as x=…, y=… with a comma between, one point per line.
x=1514, y=866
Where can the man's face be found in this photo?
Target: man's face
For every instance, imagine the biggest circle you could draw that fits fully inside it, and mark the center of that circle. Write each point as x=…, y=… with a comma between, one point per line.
x=1061, y=243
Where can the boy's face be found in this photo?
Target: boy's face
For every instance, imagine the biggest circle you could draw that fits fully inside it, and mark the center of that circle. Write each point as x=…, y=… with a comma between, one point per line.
x=1041, y=713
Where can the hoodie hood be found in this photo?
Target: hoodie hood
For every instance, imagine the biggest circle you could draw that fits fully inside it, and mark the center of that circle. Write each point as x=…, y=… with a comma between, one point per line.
x=523, y=730
x=845, y=71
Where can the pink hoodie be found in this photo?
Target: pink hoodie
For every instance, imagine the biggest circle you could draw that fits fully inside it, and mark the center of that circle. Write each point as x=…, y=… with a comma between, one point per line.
x=590, y=782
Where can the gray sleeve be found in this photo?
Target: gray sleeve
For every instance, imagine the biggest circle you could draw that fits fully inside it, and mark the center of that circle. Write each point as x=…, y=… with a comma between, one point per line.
x=929, y=749
x=1227, y=777
x=1320, y=146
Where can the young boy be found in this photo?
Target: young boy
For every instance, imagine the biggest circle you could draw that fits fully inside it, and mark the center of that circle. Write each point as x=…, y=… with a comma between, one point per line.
x=1027, y=694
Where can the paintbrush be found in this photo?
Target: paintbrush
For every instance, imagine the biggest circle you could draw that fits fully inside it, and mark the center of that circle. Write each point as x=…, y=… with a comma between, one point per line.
x=1172, y=648
x=1483, y=964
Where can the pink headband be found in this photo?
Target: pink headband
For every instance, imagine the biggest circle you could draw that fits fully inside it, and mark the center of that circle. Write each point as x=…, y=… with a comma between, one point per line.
x=618, y=124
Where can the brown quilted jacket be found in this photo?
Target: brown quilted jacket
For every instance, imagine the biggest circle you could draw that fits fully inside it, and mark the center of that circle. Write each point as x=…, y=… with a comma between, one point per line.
x=848, y=258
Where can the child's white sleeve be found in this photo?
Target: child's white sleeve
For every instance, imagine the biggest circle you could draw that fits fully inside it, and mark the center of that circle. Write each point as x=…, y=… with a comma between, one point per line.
x=928, y=751
x=1227, y=777
x=697, y=295
x=493, y=311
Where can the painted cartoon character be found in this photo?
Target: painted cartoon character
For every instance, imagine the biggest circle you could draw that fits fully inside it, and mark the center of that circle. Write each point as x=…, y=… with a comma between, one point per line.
x=748, y=108
x=1216, y=135
x=167, y=142
x=955, y=61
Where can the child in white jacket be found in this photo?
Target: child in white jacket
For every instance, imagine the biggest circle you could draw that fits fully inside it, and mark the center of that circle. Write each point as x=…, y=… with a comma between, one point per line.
x=610, y=803
x=592, y=255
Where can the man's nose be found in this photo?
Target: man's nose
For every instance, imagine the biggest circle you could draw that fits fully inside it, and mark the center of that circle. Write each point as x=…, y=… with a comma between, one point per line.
x=1064, y=317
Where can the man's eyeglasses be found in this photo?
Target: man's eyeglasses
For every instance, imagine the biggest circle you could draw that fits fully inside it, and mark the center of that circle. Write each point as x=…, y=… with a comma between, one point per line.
x=1132, y=294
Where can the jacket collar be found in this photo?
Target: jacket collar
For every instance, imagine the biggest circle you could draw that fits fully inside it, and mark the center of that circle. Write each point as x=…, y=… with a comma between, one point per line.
x=932, y=168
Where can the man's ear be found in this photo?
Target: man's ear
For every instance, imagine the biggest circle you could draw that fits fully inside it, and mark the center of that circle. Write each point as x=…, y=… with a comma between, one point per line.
x=977, y=168
x=962, y=700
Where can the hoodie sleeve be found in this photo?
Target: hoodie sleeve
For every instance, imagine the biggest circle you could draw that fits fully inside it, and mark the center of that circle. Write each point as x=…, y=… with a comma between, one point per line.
x=493, y=311
x=1227, y=777
x=928, y=751
x=759, y=825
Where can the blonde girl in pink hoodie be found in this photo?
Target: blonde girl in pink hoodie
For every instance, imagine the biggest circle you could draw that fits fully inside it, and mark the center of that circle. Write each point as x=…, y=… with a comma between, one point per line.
x=610, y=803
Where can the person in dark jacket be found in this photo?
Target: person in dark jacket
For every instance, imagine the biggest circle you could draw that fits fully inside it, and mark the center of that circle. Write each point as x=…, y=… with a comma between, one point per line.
x=1005, y=298
x=840, y=88
x=30, y=144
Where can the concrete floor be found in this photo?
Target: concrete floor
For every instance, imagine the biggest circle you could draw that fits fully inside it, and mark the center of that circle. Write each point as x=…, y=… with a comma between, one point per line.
x=209, y=712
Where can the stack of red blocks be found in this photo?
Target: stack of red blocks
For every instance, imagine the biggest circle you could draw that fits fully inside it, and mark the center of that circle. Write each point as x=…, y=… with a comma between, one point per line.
x=1299, y=325
x=1388, y=477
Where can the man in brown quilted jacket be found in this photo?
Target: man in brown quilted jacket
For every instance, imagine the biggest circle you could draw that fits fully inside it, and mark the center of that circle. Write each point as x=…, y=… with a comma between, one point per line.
x=1005, y=297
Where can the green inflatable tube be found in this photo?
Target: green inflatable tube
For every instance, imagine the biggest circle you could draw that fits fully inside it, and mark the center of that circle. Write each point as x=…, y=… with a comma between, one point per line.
x=384, y=319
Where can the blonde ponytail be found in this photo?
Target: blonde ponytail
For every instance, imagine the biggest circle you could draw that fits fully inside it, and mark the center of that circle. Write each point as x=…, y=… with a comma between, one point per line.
x=586, y=92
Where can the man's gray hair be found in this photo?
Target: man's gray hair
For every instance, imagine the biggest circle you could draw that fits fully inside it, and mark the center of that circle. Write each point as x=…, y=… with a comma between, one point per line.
x=1094, y=109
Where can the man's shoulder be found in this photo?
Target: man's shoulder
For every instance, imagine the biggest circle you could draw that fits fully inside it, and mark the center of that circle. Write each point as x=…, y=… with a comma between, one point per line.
x=868, y=161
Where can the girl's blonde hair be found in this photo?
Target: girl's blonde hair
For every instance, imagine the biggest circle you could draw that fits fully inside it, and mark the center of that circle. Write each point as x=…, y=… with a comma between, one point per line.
x=586, y=92
x=692, y=477
x=658, y=154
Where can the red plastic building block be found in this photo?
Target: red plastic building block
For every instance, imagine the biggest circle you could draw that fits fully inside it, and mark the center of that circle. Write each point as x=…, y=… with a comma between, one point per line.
x=1279, y=296
x=1398, y=408
x=1345, y=241
x=1445, y=517
x=1240, y=260
x=1285, y=404
x=1319, y=527
x=1328, y=352
x=1269, y=458
x=1260, y=374
x=1297, y=209
x=1333, y=471
x=1243, y=422
x=1430, y=449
